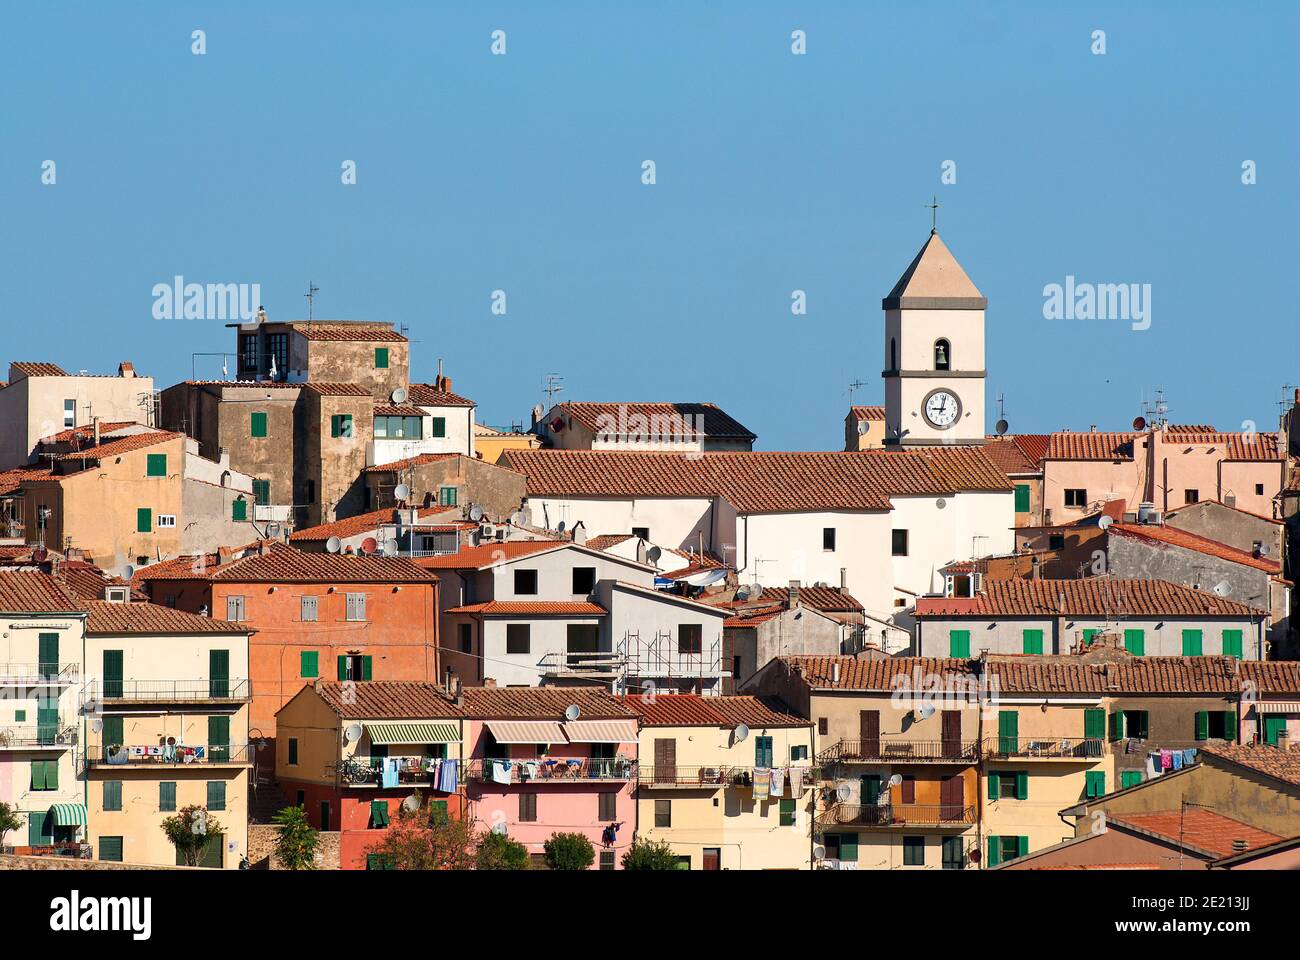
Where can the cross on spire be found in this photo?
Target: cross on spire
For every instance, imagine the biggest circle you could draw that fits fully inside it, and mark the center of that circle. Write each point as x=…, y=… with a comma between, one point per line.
x=934, y=214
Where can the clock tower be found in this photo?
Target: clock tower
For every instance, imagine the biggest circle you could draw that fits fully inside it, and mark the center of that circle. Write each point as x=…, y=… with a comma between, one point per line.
x=934, y=353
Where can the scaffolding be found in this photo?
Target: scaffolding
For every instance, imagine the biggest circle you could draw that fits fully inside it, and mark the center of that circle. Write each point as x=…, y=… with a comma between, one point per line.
x=661, y=663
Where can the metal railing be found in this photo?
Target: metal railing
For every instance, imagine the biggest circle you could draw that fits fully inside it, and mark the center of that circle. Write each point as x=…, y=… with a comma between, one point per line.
x=26, y=737
x=682, y=776
x=168, y=691
x=552, y=769
x=38, y=674
x=606, y=663
x=360, y=770
x=132, y=755
x=886, y=750
x=1046, y=748
x=897, y=814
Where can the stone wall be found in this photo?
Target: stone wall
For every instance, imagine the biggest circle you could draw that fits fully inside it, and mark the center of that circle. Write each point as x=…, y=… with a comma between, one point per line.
x=9, y=861
x=261, y=846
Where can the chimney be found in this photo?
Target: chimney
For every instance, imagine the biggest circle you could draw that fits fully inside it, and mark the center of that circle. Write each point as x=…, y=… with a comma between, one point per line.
x=223, y=555
x=126, y=369
x=490, y=682
x=792, y=596
x=1229, y=499
x=95, y=422
x=263, y=547
x=844, y=580
x=835, y=672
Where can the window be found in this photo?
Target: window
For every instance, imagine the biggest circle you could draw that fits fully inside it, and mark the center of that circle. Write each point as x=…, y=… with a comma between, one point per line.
x=308, y=610
x=1022, y=498
x=257, y=425
x=787, y=813
x=959, y=644
x=262, y=492
x=1033, y=641
x=379, y=861
x=1056, y=541
x=1008, y=731
x=799, y=752
x=1259, y=489
x=527, y=808
x=381, y=358
x=607, y=806
x=1076, y=497
x=167, y=795
x=584, y=580
x=308, y=663
x=1232, y=643
x=447, y=496
x=1216, y=725
x=356, y=606
x=166, y=520
x=642, y=532
x=1128, y=724
x=341, y=425
x=690, y=638
x=823, y=726
x=110, y=849
x=953, y=855
x=235, y=609
x=378, y=814
x=1008, y=785
x=517, y=637
x=216, y=795
x=893, y=353
x=248, y=353
x=1135, y=641
x=1094, y=783
x=1094, y=723
x=1191, y=495
x=45, y=774
x=300, y=799
x=355, y=667
x=1004, y=848
x=399, y=428
x=914, y=851
x=69, y=413
x=763, y=754
x=842, y=846
x=277, y=345
x=143, y=520
x=239, y=509
x=663, y=813
x=156, y=465
x=526, y=583
x=1191, y=643
x=828, y=539
x=607, y=859
x=899, y=543
x=439, y=427
x=942, y=355
x=112, y=795
x=1129, y=778
x=324, y=815
x=293, y=751
x=20, y=716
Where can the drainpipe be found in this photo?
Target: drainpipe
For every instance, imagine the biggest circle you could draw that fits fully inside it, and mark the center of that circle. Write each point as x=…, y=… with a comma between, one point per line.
x=981, y=763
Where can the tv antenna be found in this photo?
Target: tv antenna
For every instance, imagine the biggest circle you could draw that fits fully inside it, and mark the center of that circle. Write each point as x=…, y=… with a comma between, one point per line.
x=853, y=388
x=552, y=387
x=312, y=290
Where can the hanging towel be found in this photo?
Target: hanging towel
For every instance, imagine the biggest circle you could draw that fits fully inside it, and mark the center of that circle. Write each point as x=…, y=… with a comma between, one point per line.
x=796, y=781
x=1178, y=759
x=448, y=776
x=501, y=771
x=1189, y=756
x=1153, y=762
x=390, y=772
x=1166, y=759
x=762, y=780
x=778, y=781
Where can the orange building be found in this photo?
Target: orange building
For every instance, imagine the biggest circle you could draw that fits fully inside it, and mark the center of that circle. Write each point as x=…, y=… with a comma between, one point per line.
x=315, y=615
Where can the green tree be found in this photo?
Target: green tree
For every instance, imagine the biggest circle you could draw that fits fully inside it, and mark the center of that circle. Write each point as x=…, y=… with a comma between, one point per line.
x=496, y=851
x=569, y=851
x=649, y=855
x=8, y=821
x=192, y=830
x=428, y=840
x=296, y=839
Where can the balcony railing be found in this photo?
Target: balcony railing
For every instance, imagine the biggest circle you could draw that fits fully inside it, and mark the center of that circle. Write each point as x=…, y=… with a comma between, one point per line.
x=168, y=691
x=549, y=770
x=38, y=736
x=707, y=778
x=587, y=664
x=363, y=771
x=1045, y=748
x=897, y=815
x=38, y=674
x=171, y=754
x=884, y=750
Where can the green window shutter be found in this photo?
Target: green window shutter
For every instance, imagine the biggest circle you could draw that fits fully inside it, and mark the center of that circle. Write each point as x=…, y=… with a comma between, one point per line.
x=959, y=644
x=1135, y=642
x=870, y=784
x=763, y=752
x=47, y=719
x=994, y=783
x=1202, y=724
x=849, y=847
x=343, y=667
x=1230, y=725
x=110, y=849
x=144, y=520
x=262, y=492
x=1022, y=846
x=1143, y=731
x=239, y=509
x=1033, y=641
x=378, y=814
x=1094, y=723
x=1008, y=731
x=218, y=673
x=1191, y=643
x=1116, y=726
x=787, y=813
x=439, y=426
x=113, y=673
x=156, y=465
x=995, y=850
x=216, y=795
x=1089, y=635
x=113, y=730
x=1022, y=498
x=38, y=775
x=48, y=654
x=51, y=774
x=308, y=664
x=167, y=795
x=366, y=663
x=334, y=425
x=1273, y=727
x=1232, y=643
x=381, y=358
x=218, y=738
x=1022, y=784
x=1094, y=783
x=112, y=795
x=40, y=828
x=257, y=425
x=1130, y=778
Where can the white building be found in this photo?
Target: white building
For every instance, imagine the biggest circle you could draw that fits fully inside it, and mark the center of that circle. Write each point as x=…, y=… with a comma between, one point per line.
x=676, y=427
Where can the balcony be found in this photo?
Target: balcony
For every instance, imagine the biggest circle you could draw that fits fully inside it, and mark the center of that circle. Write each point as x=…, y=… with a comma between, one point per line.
x=897, y=815
x=551, y=770
x=883, y=750
x=367, y=771
x=582, y=664
x=168, y=691
x=1078, y=749
x=688, y=778
x=38, y=737
x=171, y=755
x=38, y=674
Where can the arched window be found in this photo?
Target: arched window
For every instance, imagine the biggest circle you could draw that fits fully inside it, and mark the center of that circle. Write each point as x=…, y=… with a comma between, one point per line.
x=942, y=355
x=893, y=354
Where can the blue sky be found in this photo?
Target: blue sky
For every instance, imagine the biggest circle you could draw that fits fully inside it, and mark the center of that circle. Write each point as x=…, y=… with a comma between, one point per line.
x=775, y=173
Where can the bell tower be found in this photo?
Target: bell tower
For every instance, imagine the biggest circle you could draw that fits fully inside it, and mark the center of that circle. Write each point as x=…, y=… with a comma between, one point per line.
x=934, y=353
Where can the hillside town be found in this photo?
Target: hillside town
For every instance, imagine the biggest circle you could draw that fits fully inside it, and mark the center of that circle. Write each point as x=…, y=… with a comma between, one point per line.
x=324, y=586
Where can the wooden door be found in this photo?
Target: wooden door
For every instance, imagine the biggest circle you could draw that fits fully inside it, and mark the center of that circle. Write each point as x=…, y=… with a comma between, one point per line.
x=712, y=858
x=951, y=734
x=665, y=760
x=951, y=798
x=869, y=733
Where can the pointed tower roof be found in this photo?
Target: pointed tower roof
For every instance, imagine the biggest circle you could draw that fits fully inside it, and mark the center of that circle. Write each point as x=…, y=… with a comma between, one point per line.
x=934, y=281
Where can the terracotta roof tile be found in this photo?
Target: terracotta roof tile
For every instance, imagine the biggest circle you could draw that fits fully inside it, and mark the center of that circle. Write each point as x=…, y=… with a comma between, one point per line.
x=427, y=395
x=30, y=368
x=398, y=410
x=1236, y=446
x=105, y=617
x=388, y=700
x=537, y=608
x=1091, y=596
x=366, y=522
x=489, y=554
x=541, y=703
x=753, y=616
x=1009, y=457
x=86, y=431
x=323, y=330
x=606, y=540
x=416, y=461
x=12, y=480
x=867, y=413
x=326, y=389
x=1070, y=445
x=692, y=710
x=674, y=419
x=1033, y=445
x=24, y=591
x=1175, y=537
x=85, y=581
x=1201, y=829
x=1279, y=764
x=284, y=564
x=121, y=445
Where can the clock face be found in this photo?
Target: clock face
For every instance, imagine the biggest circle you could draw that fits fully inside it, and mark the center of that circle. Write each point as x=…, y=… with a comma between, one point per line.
x=942, y=409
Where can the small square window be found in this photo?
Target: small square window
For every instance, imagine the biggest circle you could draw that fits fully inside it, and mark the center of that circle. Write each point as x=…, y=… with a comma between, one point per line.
x=663, y=813
x=607, y=859
x=1191, y=495
x=914, y=851
x=899, y=543
x=642, y=532
x=447, y=496
x=584, y=580
x=439, y=427
x=828, y=539
x=381, y=358
x=1259, y=489
x=1076, y=497
x=690, y=638
x=1056, y=541
x=309, y=608
x=517, y=637
x=526, y=583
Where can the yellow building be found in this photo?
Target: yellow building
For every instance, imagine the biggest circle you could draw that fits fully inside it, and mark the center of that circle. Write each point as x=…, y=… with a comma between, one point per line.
x=727, y=782
x=490, y=443
x=165, y=726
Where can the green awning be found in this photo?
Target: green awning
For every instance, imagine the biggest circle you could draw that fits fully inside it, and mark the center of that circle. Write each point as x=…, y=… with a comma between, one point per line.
x=385, y=733
x=69, y=814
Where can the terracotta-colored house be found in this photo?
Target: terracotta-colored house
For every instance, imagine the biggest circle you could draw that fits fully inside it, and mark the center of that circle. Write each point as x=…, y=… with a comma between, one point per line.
x=316, y=615
x=537, y=766
x=352, y=754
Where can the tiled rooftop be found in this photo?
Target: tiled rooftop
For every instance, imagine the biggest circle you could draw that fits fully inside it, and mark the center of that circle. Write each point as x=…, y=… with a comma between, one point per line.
x=388, y=700
x=541, y=703
x=1090, y=596
x=1201, y=829
x=630, y=419
x=1280, y=764
x=687, y=709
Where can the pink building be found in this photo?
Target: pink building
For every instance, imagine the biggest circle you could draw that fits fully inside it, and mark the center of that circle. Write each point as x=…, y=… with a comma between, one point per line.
x=547, y=760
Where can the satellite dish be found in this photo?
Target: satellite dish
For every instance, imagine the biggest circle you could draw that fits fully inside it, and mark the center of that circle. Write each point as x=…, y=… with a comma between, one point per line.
x=1001, y=427
x=819, y=853
x=399, y=395
x=755, y=589
x=925, y=711
x=411, y=804
x=740, y=733
x=1222, y=589
x=97, y=724
x=896, y=780
x=843, y=791
x=864, y=426
x=352, y=733
x=572, y=712
x=402, y=492
x=742, y=593
x=653, y=554
x=369, y=545
x=128, y=572
x=1265, y=549
x=1104, y=522
x=1139, y=423
x=389, y=547
x=559, y=527
x=941, y=503
x=333, y=545
x=475, y=512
